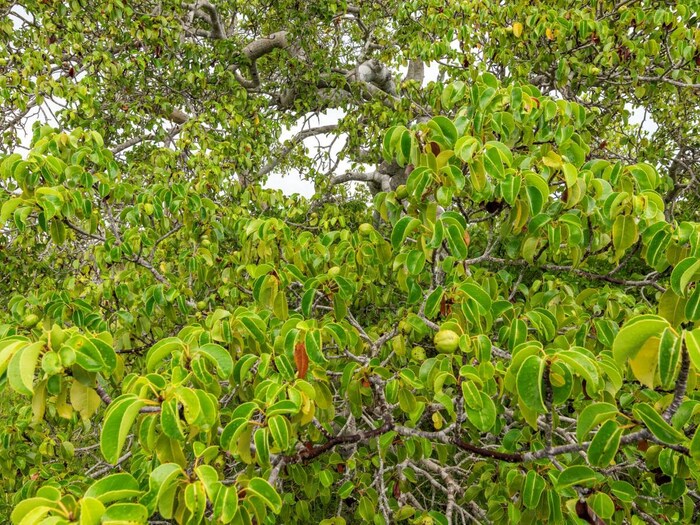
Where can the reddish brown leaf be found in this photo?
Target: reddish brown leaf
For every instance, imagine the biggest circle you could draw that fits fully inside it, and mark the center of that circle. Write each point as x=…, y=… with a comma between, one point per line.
x=301, y=359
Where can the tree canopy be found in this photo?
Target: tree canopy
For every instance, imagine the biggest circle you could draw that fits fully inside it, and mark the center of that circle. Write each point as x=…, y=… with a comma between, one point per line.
x=497, y=323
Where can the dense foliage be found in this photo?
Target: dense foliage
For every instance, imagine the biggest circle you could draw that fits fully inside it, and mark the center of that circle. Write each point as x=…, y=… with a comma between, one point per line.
x=501, y=327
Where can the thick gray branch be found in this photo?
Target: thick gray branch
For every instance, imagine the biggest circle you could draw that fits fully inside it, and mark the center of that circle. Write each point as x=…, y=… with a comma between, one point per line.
x=257, y=49
x=380, y=178
x=374, y=72
x=416, y=71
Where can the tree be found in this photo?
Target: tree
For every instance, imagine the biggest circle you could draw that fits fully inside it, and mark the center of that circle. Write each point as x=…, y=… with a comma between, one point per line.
x=508, y=333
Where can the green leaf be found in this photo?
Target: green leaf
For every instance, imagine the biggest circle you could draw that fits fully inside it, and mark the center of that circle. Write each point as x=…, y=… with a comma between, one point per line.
x=455, y=241
x=644, y=363
x=402, y=229
x=87, y=354
x=285, y=406
x=280, y=430
x=582, y=365
x=695, y=446
x=476, y=292
x=314, y=347
x=20, y=371
x=32, y=510
x=624, y=232
x=163, y=477
x=261, y=488
x=672, y=307
x=692, y=343
x=242, y=367
x=656, y=247
x=669, y=356
x=602, y=505
x=532, y=489
x=604, y=445
x=484, y=417
x=226, y=504
x=493, y=163
x=657, y=425
x=510, y=188
x=121, y=513
x=84, y=399
x=683, y=273
x=262, y=447
x=465, y=147
x=415, y=261
x=170, y=419
x=119, y=418
x=195, y=500
x=8, y=208
x=692, y=307
x=191, y=406
x=576, y=475
x=164, y=348
x=444, y=127
x=219, y=356
x=114, y=487
x=91, y=511
x=623, y=491
x=593, y=415
x=433, y=302
x=529, y=383
x=634, y=334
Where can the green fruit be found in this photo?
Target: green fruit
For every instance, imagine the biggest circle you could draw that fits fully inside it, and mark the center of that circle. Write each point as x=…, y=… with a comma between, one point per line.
x=401, y=192
x=335, y=270
x=30, y=320
x=365, y=229
x=418, y=354
x=446, y=341
x=201, y=305
x=148, y=208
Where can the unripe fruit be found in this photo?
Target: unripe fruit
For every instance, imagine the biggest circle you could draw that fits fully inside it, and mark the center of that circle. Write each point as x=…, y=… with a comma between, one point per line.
x=30, y=320
x=201, y=305
x=148, y=208
x=418, y=354
x=365, y=229
x=335, y=270
x=446, y=341
x=402, y=192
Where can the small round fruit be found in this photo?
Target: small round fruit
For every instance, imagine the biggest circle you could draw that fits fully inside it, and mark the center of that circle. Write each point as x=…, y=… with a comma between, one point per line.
x=30, y=320
x=365, y=229
x=148, y=208
x=446, y=341
x=418, y=354
x=401, y=192
x=335, y=270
